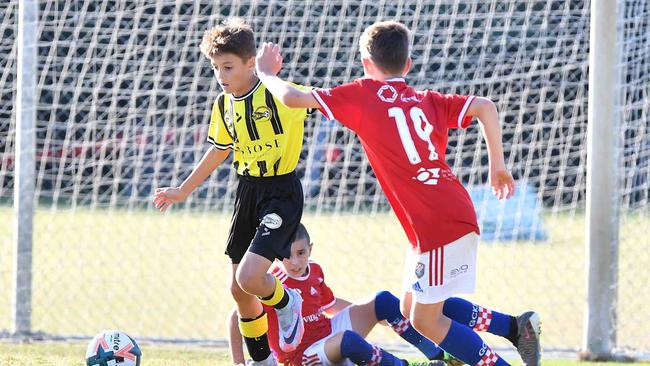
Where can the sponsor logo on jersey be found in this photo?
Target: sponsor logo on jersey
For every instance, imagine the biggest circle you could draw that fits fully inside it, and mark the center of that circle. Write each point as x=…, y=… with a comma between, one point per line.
x=252, y=148
x=412, y=98
x=387, y=93
x=262, y=113
x=313, y=317
x=272, y=221
x=419, y=270
x=428, y=176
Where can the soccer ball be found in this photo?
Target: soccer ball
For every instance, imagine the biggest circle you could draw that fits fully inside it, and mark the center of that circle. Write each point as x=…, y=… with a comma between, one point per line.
x=113, y=348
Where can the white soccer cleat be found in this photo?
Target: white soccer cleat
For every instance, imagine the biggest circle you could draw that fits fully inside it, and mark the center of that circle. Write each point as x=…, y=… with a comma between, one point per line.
x=270, y=361
x=290, y=322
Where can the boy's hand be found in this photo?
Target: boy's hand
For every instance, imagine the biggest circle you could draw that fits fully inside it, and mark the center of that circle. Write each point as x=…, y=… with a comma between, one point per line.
x=503, y=186
x=268, y=60
x=164, y=197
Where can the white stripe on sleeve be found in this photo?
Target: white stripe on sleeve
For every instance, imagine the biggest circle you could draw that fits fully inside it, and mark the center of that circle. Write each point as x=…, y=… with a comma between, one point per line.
x=320, y=101
x=461, y=116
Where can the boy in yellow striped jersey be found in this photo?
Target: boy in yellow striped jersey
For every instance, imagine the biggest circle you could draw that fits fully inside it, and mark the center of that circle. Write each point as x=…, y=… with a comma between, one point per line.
x=266, y=139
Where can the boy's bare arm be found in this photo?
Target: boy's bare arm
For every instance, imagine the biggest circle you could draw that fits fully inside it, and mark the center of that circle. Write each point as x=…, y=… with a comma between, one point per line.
x=339, y=305
x=500, y=179
x=268, y=63
x=164, y=197
x=235, y=339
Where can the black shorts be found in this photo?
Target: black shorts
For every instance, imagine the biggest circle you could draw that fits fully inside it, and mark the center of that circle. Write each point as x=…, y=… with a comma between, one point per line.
x=266, y=217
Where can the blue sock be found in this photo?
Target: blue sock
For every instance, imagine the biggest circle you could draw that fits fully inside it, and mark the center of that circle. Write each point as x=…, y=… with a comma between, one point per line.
x=387, y=308
x=360, y=352
x=479, y=318
x=464, y=344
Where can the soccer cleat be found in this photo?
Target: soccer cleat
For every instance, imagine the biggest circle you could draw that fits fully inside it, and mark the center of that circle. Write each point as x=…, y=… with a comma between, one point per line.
x=528, y=333
x=427, y=363
x=452, y=361
x=270, y=361
x=290, y=322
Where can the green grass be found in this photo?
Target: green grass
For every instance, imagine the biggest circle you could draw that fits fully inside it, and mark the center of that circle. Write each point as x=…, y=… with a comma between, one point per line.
x=165, y=276
x=69, y=354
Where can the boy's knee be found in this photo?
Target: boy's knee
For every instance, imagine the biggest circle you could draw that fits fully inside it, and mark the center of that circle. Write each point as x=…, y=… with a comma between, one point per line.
x=237, y=293
x=386, y=306
x=246, y=280
x=383, y=296
x=350, y=341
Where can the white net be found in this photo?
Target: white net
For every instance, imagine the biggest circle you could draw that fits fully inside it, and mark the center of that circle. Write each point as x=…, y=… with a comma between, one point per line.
x=124, y=98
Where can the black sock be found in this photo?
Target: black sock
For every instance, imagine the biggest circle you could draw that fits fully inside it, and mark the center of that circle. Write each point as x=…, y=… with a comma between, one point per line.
x=513, y=335
x=258, y=348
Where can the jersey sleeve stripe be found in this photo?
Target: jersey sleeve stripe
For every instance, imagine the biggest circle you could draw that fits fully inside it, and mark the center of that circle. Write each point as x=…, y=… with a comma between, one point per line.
x=275, y=116
x=461, y=116
x=325, y=307
x=220, y=146
x=322, y=103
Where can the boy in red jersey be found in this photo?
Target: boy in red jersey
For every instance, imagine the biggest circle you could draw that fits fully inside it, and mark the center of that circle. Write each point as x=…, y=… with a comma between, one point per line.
x=334, y=328
x=404, y=134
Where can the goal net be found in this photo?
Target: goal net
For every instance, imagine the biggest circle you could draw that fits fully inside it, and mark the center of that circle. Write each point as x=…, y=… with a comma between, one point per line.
x=123, y=107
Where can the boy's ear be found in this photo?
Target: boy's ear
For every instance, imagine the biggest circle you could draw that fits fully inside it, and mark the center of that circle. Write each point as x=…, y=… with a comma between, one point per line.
x=407, y=67
x=367, y=63
x=250, y=63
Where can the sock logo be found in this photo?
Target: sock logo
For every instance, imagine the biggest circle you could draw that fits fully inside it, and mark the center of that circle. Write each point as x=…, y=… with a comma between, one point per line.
x=481, y=318
x=472, y=322
x=483, y=349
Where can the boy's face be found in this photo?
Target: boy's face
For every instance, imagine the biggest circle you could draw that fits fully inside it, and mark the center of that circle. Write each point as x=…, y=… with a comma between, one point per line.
x=235, y=75
x=296, y=266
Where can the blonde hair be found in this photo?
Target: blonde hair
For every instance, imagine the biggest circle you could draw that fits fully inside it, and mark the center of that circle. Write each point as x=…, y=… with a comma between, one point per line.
x=387, y=44
x=232, y=36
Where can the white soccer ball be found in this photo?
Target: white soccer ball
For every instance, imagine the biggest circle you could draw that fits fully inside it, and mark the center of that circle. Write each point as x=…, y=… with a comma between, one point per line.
x=113, y=348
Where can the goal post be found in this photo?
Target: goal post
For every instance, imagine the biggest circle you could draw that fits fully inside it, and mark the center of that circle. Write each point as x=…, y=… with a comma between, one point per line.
x=26, y=100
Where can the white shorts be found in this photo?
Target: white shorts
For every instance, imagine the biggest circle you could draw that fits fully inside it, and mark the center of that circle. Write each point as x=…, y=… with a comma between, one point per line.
x=437, y=275
x=315, y=355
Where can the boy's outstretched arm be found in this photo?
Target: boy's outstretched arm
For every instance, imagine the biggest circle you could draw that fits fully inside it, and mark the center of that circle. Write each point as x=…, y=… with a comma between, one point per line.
x=164, y=197
x=501, y=181
x=339, y=305
x=235, y=339
x=268, y=63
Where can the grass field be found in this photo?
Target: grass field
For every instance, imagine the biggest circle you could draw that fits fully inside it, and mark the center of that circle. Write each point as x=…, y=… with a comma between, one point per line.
x=165, y=276
x=64, y=354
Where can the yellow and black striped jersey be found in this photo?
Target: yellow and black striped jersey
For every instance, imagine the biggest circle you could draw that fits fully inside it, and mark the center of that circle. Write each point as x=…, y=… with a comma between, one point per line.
x=265, y=135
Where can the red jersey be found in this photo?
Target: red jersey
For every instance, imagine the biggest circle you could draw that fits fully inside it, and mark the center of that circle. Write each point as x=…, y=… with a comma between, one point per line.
x=404, y=133
x=316, y=297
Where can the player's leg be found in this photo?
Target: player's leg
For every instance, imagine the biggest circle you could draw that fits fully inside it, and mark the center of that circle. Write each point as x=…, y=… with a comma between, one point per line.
x=523, y=330
x=252, y=318
x=435, y=276
x=348, y=346
x=386, y=307
x=253, y=324
x=279, y=210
